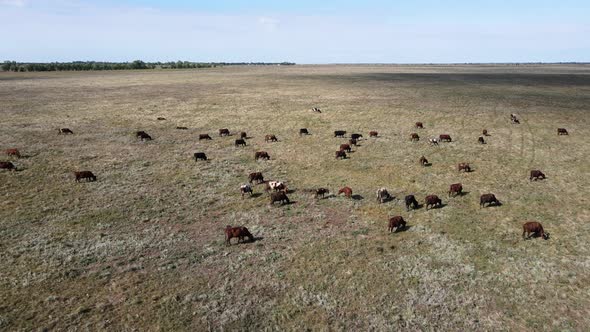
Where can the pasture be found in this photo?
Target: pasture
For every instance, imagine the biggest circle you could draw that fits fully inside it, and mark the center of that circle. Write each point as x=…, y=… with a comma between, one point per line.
x=143, y=247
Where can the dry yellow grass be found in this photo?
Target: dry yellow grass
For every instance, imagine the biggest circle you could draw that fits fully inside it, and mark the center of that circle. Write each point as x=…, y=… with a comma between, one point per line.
x=143, y=248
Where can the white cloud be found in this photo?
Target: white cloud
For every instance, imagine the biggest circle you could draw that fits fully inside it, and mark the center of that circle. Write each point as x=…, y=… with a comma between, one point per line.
x=13, y=3
x=269, y=23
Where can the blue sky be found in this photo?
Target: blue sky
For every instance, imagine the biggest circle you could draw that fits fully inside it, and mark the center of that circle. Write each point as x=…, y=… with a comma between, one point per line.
x=304, y=31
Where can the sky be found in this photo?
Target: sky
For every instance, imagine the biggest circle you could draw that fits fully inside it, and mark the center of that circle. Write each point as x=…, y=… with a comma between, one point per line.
x=303, y=31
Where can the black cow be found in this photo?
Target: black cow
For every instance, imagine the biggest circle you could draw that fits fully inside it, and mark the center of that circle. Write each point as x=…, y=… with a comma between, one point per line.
x=200, y=155
x=411, y=202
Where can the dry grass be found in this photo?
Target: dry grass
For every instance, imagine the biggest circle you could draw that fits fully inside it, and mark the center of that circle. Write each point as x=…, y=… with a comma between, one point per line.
x=143, y=248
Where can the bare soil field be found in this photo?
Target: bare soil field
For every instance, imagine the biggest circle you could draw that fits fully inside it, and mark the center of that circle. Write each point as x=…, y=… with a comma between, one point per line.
x=143, y=247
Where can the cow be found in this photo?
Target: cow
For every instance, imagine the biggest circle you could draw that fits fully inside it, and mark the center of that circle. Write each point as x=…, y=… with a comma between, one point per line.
x=373, y=134
x=445, y=138
x=142, y=135
x=204, y=136
x=488, y=199
x=64, y=131
x=382, y=195
x=411, y=201
x=433, y=141
x=356, y=136
x=536, y=175
x=353, y=142
x=200, y=155
x=433, y=201
x=161, y=118
x=84, y=175
x=270, y=138
x=256, y=176
x=414, y=137
x=240, y=142
x=237, y=232
x=243, y=135
x=279, y=197
x=181, y=128
x=340, y=154
x=345, y=147
x=396, y=222
x=512, y=116
x=562, y=131
x=276, y=186
x=7, y=165
x=224, y=132
x=339, y=133
x=455, y=189
x=346, y=191
x=464, y=167
x=303, y=131
x=245, y=189
x=515, y=121
x=261, y=155
x=534, y=229
x=321, y=192
x=316, y=110
x=423, y=161
x=485, y=132
x=480, y=140
x=13, y=152
x=419, y=125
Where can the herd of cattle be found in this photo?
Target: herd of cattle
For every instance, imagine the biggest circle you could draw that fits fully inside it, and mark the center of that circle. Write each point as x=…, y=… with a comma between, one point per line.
x=278, y=190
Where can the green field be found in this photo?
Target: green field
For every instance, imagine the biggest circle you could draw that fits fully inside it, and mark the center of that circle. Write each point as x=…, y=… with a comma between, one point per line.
x=143, y=247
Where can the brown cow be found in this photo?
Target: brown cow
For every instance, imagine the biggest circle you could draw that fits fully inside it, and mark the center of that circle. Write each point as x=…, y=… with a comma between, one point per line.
x=276, y=186
x=256, y=176
x=7, y=165
x=270, y=138
x=84, y=175
x=237, y=232
x=321, y=192
x=345, y=147
x=240, y=142
x=224, y=132
x=423, y=161
x=243, y=135
x=445, y=138
x=485, y=132
x=373, y=134
x=261, y=155
x=353, y=142
x=488, y=199
x=433, y=201
x=419, y=125
x=279, y=196
x=13, y=152
x=536, y=175
x=464, y=167
x=161, y=118
x=346, y=191
x=562, y=131
x=456, y=189
x=396, y=222
x=64, y=131
x=535, y=229
x=414, y=137
x=340, y=154
x=204, y=136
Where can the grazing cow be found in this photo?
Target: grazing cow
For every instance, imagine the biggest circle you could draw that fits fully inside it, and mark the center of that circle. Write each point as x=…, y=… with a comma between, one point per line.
x=396, y=222
x=515, y=121
x=256, y=176
x=224, y=132
x=345, y=147
x=423, y=161
x=240, y=142
x=346, y=191
x=536, y=175
x=340, y=154
x=414, y=137
x=562, y=131
x=64, y=131
x=444, y=138
x=433, y=141
x=353, y=142
x=87, y=175
x=142, y=135
x=181, y=128
x=512, y=116
x=485, y=132
x=204, y=136
x=276, y=186
x=279, y=197
x=419, y=125
x=7, y=165
x=411, y=202
x=535, y=229
x=237, y=232
x=161, y=118
x=433, y=201
x=243, y=135
x=303, y=131
x=246, y=189
x=373, y=134
x=316, y=110
x=456, y=189
x=356, y=136
x=200, y=155
x=339, y=133
x=481, y=140
x=488, y=199
x=261, y=155
x=321, y=192
x=13, y=152
x=270, y=138
x=464, y=167
x=382, y=195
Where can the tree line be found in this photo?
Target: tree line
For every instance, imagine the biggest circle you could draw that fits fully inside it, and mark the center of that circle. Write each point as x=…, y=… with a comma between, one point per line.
x=137, y=64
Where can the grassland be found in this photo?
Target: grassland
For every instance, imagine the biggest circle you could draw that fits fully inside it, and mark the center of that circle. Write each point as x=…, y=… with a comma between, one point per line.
x=143, y=247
